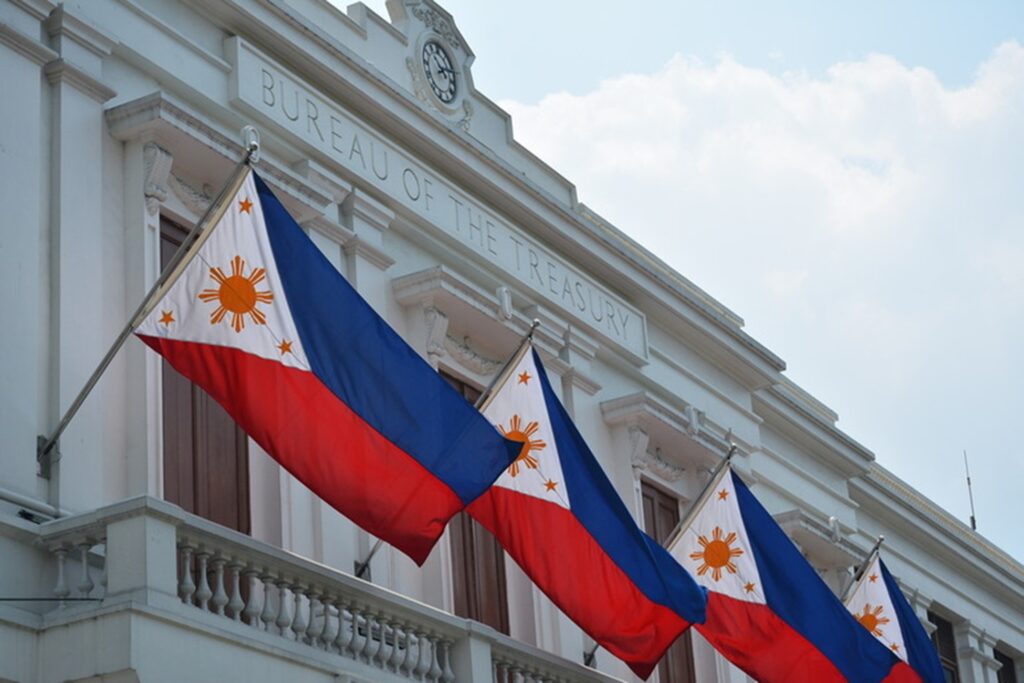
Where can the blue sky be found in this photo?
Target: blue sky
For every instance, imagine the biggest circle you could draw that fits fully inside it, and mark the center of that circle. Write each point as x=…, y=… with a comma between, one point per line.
x=531, y=48
x=855, y=171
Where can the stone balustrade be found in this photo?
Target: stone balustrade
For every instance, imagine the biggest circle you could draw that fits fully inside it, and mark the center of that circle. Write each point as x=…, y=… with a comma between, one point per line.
x=148, y=552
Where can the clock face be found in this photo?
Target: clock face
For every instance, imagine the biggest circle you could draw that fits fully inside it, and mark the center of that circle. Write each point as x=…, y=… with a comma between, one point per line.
x=439, y=70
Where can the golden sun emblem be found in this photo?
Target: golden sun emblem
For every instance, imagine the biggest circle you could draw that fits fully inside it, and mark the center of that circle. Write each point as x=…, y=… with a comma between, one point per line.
x=716, y=554
x=237, y=295
x=516, y=432
x=872, y=619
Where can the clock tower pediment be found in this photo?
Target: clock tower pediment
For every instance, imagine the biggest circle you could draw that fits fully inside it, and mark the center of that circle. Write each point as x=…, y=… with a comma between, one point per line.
x=438, y=58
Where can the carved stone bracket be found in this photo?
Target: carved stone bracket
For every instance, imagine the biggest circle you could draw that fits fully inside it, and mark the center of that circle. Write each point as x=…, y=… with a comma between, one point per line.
x=157, y=162
x=437, y=333
x=642, y=459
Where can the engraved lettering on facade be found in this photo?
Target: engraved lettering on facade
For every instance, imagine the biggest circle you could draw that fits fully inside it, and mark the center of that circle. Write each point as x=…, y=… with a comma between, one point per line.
x=269, y=91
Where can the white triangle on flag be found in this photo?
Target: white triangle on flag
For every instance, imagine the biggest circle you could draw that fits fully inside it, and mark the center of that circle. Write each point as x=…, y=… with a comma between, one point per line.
x=714, y=546
x=231, y=293
x=871, y=604
x=518, y=410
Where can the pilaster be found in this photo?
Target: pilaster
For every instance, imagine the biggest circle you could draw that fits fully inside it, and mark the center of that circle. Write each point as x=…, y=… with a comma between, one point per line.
x=975, y=654
x=366, y=268
x=146, y=188
x=83, y=280
x=365, y=256
x=25, y=401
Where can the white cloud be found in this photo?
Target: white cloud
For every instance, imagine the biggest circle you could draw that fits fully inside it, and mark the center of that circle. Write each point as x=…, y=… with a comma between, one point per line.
x=868, y=225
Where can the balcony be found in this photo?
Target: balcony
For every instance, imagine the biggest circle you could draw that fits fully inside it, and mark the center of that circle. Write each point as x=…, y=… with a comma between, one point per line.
x=142, y=590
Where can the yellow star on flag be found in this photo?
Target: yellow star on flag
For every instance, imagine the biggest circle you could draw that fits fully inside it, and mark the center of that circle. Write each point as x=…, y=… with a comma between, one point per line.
x=285, y=347
x=245, y=206
x=166, y=318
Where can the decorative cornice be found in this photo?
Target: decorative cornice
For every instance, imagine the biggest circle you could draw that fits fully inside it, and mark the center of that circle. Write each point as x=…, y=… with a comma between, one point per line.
x=37, y=9
x=433, y=20
x=25, y=45
x=141, y=116
x=653, y=462
x=426, y=286
x=463, y=352
x=60, y=71
x=818, y=539
x=908, y=504
x=195, y=200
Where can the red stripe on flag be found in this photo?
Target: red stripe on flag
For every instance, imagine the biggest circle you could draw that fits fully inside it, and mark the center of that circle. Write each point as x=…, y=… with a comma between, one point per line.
x=755, y=639
x=293, y=416
x=565, y=562
x=902, y=673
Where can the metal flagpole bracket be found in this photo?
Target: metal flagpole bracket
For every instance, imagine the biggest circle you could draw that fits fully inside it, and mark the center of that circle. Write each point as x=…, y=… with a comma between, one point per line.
x=251, y=140
x=45, y=457
x=859, y=574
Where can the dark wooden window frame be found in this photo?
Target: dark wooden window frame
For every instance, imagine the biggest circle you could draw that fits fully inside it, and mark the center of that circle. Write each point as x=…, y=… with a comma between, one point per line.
x=1008, y=671
x=661, y=515
x=479, y=587
x=205, y=453
x=945, y=644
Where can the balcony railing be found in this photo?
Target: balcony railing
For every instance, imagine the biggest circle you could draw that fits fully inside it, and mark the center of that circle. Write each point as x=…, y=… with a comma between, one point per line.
x=148, y=552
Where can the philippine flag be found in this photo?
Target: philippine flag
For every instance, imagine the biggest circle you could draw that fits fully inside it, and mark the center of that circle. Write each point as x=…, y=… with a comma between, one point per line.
x=768, y=611
x=266, y=325
x=880, y=606
x=561, y=520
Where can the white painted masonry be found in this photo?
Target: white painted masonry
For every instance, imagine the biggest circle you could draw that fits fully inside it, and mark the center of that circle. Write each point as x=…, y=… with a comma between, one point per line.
x=115, y=112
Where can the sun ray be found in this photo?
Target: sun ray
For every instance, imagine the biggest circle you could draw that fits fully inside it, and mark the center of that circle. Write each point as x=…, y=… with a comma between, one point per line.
x=237, y=294
x=716, y=554
x=517, y=432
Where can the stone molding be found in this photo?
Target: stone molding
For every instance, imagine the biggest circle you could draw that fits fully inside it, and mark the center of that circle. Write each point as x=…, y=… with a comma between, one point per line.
x=62, y=71
x=25, y=45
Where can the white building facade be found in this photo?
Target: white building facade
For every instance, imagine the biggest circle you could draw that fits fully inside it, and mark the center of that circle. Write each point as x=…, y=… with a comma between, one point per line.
x=162, y=545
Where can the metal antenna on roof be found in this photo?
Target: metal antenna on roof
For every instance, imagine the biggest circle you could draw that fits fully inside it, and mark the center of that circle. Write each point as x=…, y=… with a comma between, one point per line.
x=970, y=493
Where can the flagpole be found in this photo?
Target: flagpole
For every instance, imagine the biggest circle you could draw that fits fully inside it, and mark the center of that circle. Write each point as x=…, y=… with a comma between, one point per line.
x=858, y=576
x=484, y=398
x=703, y=496
x=182, y=257
x=588, y=656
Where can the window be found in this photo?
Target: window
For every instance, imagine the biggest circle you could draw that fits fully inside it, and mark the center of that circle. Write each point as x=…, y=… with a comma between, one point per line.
x=661, y=515
x=206, y=456
x=1008, y=670
x=945, y=644
x=478, y=560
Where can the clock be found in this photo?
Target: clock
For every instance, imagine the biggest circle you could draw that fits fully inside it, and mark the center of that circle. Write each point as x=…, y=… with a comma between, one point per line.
x=439, y=70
